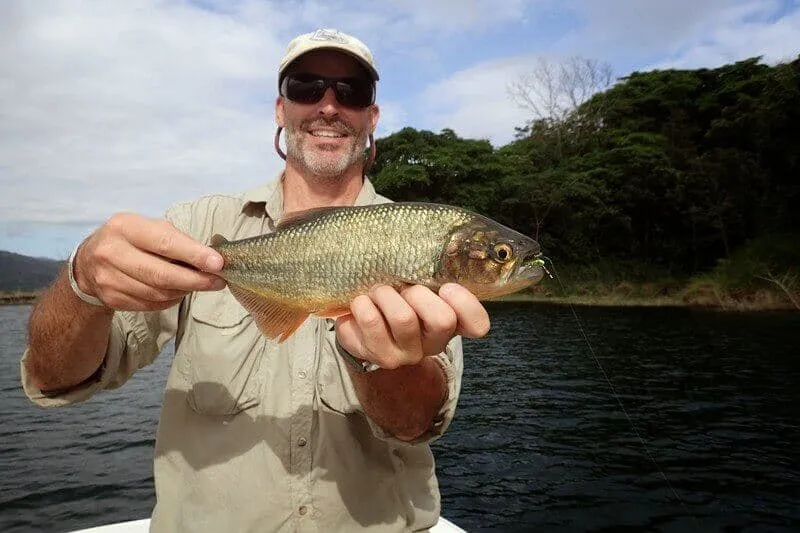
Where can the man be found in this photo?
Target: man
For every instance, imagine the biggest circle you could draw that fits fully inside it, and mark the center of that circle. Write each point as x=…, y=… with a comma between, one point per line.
x=258, y=436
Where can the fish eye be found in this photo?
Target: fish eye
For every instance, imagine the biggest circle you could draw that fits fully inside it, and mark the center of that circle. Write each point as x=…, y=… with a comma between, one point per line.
x=502, y=252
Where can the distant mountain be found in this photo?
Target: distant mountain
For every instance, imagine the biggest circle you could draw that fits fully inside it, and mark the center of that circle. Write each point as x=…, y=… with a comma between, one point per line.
x=24, y=273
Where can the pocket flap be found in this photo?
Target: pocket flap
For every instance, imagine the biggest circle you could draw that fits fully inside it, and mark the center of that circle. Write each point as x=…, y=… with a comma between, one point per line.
x=218, y=308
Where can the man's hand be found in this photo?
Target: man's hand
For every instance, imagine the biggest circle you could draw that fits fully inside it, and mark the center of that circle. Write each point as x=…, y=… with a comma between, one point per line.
x=394, y=329
x=129, y=263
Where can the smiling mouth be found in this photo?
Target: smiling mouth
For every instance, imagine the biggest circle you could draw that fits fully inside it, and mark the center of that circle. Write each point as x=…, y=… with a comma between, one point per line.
x=327, y=134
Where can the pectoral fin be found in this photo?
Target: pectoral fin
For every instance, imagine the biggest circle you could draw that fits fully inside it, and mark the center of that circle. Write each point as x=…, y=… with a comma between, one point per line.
x=274, y=319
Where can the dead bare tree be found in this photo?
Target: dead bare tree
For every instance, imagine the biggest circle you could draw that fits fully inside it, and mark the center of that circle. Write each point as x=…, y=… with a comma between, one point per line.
x=552, y=90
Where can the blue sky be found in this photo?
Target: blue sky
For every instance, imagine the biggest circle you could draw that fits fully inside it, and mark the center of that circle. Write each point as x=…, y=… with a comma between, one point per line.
x=135, y=104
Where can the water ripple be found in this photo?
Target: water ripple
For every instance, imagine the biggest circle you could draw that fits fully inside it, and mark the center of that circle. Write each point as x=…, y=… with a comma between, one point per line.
x=539, y=442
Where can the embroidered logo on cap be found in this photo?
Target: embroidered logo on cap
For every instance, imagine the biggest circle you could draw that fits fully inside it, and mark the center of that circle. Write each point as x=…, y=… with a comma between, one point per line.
x=325, y=34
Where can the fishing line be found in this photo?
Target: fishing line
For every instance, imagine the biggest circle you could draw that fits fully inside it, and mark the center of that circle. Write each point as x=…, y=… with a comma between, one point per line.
x=617, y=397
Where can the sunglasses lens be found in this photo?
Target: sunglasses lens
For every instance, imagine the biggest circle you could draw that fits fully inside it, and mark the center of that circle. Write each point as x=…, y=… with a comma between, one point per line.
x=304, y=89
x=309, y=89
x=354, y=92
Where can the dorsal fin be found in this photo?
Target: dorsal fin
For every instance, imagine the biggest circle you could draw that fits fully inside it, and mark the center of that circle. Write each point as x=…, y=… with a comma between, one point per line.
x=305, y=215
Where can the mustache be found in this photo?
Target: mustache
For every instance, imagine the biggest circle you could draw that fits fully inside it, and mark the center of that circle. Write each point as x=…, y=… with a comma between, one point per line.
x=337, y=124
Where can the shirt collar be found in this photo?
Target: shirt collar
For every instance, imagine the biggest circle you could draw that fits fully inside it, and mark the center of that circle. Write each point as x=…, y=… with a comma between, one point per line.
x=271, y=195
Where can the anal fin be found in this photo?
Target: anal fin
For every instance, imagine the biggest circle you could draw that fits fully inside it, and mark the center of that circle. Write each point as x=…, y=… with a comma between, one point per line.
x=333, y=312
x=273, y=319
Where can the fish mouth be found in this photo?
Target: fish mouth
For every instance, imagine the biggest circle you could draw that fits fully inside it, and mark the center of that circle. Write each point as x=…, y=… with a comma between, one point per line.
x=531, y=267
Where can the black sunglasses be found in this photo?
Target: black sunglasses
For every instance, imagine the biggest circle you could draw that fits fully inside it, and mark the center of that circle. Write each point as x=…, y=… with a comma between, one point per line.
x=310, y=88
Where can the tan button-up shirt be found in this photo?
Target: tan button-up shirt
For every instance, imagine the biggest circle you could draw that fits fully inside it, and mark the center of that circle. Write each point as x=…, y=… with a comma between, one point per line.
x=257, y=436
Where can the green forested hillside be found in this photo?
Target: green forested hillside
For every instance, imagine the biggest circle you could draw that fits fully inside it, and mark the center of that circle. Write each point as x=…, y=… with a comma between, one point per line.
x=23, y=273
x=688, y=178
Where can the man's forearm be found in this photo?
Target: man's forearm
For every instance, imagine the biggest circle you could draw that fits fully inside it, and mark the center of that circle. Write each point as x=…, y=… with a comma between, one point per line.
x=405, y=401
x=67, y=338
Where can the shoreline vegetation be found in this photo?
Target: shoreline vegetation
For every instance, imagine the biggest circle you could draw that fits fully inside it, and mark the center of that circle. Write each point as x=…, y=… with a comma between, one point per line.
x=18, y=297
x=648, y=295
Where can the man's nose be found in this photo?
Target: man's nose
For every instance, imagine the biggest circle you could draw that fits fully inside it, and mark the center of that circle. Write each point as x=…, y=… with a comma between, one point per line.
x=329, y=105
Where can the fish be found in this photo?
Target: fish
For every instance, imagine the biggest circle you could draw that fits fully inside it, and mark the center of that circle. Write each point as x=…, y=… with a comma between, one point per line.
x=317, y=261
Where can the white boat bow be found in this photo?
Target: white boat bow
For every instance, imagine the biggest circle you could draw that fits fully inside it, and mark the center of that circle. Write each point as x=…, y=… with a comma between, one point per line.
x=143, y=526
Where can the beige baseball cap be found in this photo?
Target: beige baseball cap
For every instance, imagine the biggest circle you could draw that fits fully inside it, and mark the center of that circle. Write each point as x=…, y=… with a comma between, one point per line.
x=328, y=38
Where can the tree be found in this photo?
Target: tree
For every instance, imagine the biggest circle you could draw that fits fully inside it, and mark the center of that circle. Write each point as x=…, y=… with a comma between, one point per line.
x=417, y=165
x=552, y=91
x=675, y=169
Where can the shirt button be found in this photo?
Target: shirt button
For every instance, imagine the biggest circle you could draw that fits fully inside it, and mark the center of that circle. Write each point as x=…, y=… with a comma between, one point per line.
x=301, y=441
x=302, y=374
x=303, y=510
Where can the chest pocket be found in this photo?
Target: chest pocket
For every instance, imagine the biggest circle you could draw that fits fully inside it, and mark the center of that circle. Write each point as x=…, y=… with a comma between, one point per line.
x=221, y=355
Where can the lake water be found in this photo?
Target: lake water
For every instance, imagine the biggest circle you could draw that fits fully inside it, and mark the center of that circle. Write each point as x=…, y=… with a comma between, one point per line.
x=709, y=438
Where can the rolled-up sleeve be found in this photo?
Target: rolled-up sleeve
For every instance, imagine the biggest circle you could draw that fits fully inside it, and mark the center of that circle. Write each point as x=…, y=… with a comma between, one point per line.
x=135, y=340
x=451, y=362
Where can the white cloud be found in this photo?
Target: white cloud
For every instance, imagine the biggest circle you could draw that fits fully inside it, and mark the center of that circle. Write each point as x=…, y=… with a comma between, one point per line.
x=402, y=21
x=776, y=41
x=115, y=105
x=122, y=105
x=648, y=34
x=475, y=103
x=446, y=16
x=410, y=30
x=393, y=117
x=641, y=28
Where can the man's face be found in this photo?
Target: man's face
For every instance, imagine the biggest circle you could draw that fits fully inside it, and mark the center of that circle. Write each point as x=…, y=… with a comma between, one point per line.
x=326, y=138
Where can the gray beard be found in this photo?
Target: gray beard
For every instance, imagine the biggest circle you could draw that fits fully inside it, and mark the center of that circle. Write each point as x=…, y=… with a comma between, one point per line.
x=315, y=164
